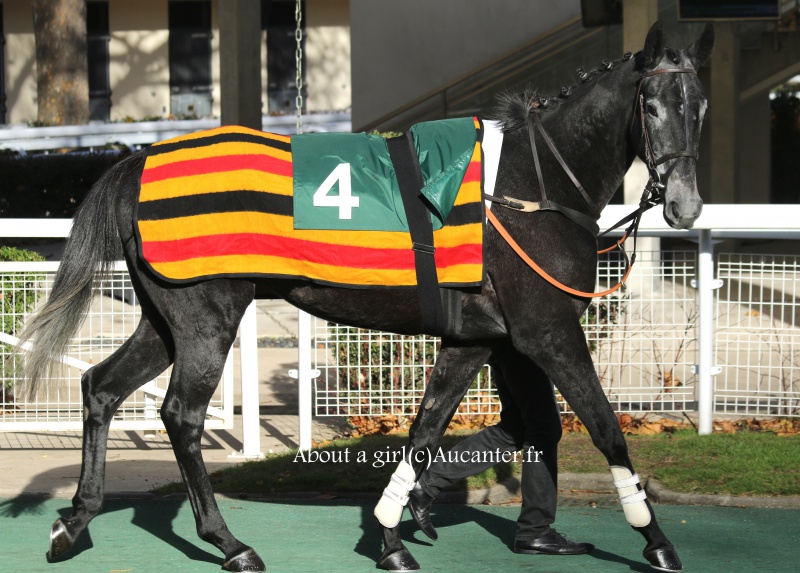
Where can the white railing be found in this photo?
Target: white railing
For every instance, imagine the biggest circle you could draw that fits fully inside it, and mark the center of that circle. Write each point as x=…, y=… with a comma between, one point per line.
x=656, y=346
x=136, y=134
x=111, y=320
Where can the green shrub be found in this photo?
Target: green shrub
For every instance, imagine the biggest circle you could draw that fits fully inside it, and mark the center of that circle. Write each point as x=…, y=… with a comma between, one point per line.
x=18, y=295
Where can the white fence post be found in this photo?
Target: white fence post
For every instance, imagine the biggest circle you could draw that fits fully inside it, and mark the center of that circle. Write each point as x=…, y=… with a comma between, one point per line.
x=150, y=410
x=248, y=353
x=706, y=368
x=304, y=377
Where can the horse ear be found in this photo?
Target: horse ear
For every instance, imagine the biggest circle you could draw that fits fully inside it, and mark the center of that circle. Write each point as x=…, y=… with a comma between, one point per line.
x=700, y=50
x=654, y=45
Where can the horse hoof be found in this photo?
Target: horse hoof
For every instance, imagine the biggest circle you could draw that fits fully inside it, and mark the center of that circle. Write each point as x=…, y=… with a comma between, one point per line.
x=400, y=560
x=664, y=559
x=61, y=540
x=247, y=560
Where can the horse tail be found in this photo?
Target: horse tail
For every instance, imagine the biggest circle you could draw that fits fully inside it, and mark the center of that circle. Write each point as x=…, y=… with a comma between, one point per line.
x=93, y=244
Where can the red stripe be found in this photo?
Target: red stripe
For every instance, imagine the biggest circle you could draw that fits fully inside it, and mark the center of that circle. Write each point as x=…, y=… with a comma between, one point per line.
x=222, y=163
x=473, y=172
x=303, y=250
x=468, y=254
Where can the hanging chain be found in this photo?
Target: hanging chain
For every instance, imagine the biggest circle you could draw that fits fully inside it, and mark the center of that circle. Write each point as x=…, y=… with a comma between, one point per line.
x=298, y=57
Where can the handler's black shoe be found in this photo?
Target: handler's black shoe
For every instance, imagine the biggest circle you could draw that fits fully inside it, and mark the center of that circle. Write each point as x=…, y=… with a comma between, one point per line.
x=551, y=543
x=419, y=503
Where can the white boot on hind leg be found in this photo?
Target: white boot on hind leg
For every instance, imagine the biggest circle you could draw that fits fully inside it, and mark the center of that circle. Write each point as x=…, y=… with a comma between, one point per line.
x=395, y=497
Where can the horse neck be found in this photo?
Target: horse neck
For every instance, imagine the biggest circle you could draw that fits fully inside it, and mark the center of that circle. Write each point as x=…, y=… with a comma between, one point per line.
x=590, y=130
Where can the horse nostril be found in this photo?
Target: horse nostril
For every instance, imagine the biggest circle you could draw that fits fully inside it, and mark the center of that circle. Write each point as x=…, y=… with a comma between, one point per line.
x=674, y=211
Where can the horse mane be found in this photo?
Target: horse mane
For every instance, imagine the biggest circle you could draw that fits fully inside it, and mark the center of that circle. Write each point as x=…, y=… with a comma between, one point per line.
x=512, y=107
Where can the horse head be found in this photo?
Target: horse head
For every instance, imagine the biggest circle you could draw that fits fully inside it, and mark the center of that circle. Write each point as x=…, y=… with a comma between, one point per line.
x=667, y=118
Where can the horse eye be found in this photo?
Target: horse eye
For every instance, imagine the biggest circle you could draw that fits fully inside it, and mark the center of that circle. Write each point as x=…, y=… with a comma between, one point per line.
x=651, y=110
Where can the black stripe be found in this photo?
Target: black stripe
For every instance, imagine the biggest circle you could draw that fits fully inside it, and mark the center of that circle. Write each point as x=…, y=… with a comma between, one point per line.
x=465, y=214
x=219, y=138
x=209, y=203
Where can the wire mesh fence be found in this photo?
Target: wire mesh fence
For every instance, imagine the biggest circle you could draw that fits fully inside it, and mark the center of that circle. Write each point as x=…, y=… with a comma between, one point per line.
x=642, y=342
x=112, y=318
x=757, y=336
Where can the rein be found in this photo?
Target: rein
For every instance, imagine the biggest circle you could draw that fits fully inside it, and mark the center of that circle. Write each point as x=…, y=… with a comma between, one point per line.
x=652, y=194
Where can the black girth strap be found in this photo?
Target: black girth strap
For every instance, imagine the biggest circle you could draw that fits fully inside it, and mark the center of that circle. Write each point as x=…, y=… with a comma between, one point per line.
x=409, y=178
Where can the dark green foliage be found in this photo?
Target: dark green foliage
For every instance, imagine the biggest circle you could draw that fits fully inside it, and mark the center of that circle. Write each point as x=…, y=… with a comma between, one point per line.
x=52, y=185
x=384, y=367
x=389, y=372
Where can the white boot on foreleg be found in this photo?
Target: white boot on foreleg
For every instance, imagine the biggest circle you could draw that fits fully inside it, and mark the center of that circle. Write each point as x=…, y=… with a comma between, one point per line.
x=631, y=497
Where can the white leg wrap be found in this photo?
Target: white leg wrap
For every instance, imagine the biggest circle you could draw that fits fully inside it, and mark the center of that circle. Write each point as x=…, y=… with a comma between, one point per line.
x=395, y=497
x=631, y=497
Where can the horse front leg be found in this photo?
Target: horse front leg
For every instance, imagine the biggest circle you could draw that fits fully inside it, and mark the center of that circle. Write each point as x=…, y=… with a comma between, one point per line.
x=455, y=369
x=567, y=362
x=105, y=386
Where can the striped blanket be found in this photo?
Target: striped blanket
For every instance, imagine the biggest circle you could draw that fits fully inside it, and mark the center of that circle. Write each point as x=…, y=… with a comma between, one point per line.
x=219, y=203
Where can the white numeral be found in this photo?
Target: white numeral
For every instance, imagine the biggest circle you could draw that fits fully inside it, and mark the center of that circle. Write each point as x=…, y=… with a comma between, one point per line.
x=344, y=200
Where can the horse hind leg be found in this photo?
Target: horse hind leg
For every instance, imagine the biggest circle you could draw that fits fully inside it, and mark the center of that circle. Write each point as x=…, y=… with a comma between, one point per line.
x=105, y=386
x=203, y=319
x=455, y=369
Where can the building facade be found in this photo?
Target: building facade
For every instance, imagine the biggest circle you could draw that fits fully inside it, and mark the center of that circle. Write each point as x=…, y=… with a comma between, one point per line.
x=160, y=58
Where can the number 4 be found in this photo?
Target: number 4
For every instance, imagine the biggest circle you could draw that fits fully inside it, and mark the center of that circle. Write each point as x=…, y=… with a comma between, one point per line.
x=344, y=200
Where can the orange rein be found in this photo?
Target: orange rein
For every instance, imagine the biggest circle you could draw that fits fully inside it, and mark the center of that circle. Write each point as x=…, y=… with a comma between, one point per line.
x=541, y=272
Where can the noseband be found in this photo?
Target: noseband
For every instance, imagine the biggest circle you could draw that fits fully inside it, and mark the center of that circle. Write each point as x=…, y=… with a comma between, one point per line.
x=650, y=158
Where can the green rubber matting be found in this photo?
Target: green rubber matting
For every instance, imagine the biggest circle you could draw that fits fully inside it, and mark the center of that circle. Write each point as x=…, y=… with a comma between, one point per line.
x=332, y=536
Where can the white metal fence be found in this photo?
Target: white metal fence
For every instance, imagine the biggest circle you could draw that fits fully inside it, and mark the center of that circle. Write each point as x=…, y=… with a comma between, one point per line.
x=758, y=339
x=643, y=344
x=663, y=345
x=112, y=318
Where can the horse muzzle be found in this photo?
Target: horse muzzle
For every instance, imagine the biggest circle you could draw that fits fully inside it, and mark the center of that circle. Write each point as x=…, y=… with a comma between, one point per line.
x=682, y=215
x=682, y=202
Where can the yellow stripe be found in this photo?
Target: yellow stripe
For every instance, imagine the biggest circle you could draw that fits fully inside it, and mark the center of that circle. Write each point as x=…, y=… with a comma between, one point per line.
x=460, y=274
x=267, y=224
x=461, y=235
x=255, y=264
x=217, y=150
x=216, y=183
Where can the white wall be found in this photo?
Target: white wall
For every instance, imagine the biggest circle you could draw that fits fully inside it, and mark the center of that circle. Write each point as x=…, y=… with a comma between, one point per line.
x=403, y=50
x=139, y=59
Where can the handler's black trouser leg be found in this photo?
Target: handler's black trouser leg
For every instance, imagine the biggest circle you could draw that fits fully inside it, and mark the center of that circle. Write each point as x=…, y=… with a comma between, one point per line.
x=529, y=420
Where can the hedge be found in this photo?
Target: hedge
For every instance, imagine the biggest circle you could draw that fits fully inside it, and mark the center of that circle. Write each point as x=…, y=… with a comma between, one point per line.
x=51, y=185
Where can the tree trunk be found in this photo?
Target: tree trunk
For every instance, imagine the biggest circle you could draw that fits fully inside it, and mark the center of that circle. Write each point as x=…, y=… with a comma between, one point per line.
x=61, y=61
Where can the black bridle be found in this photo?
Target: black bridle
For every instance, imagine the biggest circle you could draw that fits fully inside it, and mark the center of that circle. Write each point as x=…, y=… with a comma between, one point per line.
x=640, y=111
x=652, y=195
